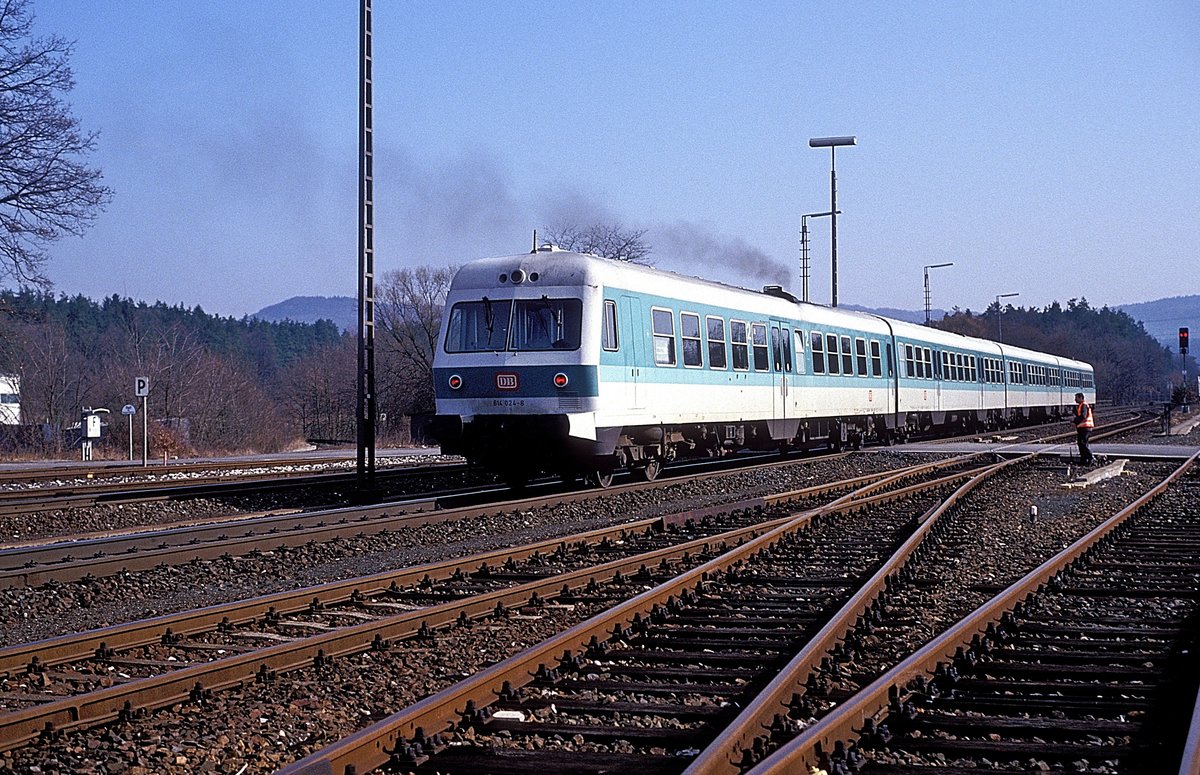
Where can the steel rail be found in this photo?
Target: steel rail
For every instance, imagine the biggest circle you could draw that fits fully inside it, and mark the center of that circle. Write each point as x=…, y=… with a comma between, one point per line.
x=37, y=564
x=724, y=754
x=123, y=637
x=33, y=500
x=22, y=726
x=371, y=747
x=98, y=469
x=119, y=637
x=840, y=725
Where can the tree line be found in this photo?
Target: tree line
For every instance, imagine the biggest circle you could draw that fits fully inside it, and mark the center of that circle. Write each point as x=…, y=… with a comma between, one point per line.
x=219, y=384
x=1131, y=366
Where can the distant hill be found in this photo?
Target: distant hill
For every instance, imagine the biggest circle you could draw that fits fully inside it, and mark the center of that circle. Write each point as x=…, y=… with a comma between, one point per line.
x=342, y=310
x=907, y=315
x=1164, y=317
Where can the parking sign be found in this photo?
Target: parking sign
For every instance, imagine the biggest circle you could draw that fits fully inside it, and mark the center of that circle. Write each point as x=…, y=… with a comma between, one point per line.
x=141, y=386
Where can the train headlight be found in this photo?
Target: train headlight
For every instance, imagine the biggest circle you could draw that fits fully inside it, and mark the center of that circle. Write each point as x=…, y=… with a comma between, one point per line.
x=455, y=382
x=560, y=380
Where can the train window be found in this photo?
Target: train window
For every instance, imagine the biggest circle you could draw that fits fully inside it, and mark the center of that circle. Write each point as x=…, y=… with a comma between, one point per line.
x=759, y=331
x=876, y=361
x=928, y=358
x=818, y=352
x=546, y=324
x=741, y=351
x=847, y=357
x=860, y=352
x=776, y=349
x=787, y=351
x=910, y=363
x=890, y=368
x=946, y=365
x=973, y=368
x=609, y=327
x=478, y=326
x=664, y=336
x=831, y=347
x=689, y=329
x=716, y=342
x=800, y=364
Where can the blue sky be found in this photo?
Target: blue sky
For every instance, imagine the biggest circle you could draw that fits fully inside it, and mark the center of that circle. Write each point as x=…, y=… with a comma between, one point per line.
x=1049, y=149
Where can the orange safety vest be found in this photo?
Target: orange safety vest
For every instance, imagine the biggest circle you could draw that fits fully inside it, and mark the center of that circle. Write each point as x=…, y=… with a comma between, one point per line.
x=1083, y=416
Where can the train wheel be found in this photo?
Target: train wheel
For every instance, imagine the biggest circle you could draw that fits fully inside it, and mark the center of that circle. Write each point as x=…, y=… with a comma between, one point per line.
x=601, y=478
x=650, y=471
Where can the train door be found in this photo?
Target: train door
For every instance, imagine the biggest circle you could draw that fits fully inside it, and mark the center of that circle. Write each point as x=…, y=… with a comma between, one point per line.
x=781, y=369
x=941, y=371
x=631, y=313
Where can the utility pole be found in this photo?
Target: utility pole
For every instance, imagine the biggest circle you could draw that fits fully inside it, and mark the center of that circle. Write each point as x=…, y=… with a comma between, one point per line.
x=366, y=267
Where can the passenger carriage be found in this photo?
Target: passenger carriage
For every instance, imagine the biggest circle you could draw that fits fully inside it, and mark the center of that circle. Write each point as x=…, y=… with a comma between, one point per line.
x=569, y=363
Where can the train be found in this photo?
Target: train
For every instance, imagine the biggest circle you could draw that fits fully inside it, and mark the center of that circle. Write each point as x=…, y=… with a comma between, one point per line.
x=580, y=366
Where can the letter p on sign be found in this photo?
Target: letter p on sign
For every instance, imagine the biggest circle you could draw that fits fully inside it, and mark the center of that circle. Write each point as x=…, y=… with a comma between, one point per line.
x=141, y=386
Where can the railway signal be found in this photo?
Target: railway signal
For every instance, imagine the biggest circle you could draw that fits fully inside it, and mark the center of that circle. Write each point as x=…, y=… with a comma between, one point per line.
x=1183, y=340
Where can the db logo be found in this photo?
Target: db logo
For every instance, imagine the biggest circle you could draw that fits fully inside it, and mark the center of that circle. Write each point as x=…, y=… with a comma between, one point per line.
x=507, y=381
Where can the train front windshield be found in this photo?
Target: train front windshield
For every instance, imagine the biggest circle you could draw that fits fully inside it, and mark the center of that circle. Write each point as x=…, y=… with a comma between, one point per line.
x=519, y=325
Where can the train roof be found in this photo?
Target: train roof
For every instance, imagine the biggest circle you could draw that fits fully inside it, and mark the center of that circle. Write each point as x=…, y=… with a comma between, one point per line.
x=554, y=267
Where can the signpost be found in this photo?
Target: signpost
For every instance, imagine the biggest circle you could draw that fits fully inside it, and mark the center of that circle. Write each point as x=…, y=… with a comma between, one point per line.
x=129, y=410
x=141, y=389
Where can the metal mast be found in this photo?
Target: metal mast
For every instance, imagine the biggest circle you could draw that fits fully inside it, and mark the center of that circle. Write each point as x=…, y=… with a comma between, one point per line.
x=366, y=412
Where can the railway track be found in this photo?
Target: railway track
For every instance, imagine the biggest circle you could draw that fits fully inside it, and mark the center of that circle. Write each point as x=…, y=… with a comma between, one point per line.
x=93, y=471
x=1085, y=662
x=430, y=596
x=74, y=559
x=596, y=705
x=84, y=494
x=751, y=628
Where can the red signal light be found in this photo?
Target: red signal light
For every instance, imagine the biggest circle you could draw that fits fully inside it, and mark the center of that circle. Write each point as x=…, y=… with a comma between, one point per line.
x=455, y=382
x=1183, y=341
x=560, y=380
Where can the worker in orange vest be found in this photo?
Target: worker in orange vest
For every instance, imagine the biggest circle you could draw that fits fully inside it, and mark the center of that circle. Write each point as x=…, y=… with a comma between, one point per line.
x=1084, y=422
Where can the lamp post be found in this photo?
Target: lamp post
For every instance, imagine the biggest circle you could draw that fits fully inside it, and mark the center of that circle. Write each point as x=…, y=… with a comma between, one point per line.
x=927, y=268
x=804, y=250
x=833, y=143
x=999, y=316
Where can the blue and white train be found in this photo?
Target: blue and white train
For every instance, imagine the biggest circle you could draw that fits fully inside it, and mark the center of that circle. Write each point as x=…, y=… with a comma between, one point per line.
x=573, y=364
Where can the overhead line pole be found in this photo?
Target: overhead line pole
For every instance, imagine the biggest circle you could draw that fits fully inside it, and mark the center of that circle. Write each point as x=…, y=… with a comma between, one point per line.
x=366, y=267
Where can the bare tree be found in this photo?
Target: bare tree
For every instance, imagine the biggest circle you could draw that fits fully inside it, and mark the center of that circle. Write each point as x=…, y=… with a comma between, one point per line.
x=46, y=191
x=410, y=314
x=315, y=393
x=607, y=240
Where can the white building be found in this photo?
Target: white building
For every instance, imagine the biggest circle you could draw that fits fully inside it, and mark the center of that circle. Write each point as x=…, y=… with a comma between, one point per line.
x=10, y=399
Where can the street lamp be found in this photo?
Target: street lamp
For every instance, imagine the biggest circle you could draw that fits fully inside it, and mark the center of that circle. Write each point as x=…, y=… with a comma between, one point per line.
x=833, y=143
x=927, y=268
x=999, y=324
x=804, y=250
